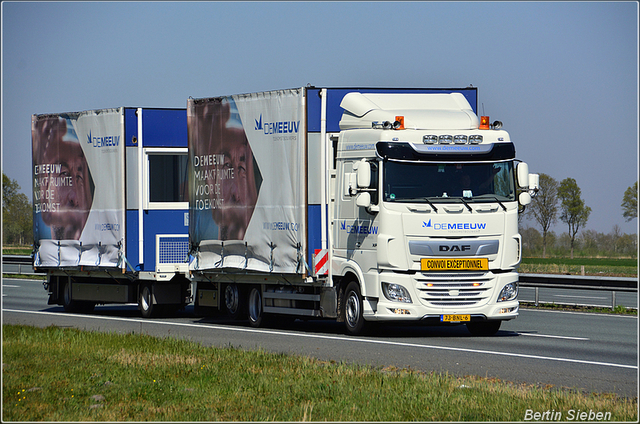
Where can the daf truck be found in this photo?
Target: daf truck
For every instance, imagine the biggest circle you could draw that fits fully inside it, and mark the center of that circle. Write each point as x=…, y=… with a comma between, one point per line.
x=362, y=205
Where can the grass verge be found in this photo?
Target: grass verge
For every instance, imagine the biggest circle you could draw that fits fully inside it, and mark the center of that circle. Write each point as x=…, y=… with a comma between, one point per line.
x=592, y=266
x=618, y=310
x=56, y=374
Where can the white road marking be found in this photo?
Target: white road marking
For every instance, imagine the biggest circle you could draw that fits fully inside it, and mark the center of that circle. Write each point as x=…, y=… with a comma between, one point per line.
x=338, y=338
x=583, y=297
x=553, y=337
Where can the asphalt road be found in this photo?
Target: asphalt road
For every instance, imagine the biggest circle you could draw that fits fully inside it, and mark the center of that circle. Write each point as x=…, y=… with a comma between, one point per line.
x=588, y=352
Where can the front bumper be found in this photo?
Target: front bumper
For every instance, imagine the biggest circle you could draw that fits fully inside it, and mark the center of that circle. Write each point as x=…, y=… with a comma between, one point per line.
x=437, y=294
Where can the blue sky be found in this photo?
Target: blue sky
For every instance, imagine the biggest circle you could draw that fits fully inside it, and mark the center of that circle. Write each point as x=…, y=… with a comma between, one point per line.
x=561, y=76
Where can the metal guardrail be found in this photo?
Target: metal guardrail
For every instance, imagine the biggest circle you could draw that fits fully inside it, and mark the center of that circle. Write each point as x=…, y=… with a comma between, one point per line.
x=628, y=284
x=18, y=264
x=22, y=264
x=554, y=281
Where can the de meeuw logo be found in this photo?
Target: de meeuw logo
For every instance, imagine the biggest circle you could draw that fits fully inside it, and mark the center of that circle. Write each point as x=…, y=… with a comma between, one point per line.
x=454, y=225
x=277, y=127
x=108, y=141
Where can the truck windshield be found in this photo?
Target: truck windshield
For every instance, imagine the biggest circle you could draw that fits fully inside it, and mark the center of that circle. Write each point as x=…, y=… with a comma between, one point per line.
x=426, y=182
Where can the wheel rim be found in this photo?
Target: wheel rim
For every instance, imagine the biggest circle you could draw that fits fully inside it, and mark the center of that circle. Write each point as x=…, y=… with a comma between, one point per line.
x=231, y=298
x=145, y=299
x=352, y=309
x=67, y=294
x=255, y=305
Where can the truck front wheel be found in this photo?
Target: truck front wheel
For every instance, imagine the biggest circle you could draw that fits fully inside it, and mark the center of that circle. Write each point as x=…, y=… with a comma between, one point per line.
x=352, y=310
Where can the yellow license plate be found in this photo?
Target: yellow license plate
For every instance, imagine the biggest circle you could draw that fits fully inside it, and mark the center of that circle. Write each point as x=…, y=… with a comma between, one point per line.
x=455, y=318
x=454, y=264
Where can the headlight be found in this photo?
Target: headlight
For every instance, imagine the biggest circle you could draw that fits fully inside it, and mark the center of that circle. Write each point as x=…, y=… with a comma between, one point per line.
x=509, y=292
x=396, y=293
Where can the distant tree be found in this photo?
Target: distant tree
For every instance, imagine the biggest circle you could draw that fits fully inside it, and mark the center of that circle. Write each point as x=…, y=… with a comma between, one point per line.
x=630, y=202
x=17, y=214
x=574, y=212
x=544, y=207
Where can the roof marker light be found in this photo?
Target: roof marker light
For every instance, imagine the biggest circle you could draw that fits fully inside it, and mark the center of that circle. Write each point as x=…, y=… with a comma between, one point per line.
x=430, y=139
x=460, y=139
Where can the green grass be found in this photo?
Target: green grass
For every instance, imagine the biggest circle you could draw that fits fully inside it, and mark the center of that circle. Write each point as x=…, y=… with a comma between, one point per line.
x=56, y=374
x=17, y=250
x=592, y=266
x=583, y=261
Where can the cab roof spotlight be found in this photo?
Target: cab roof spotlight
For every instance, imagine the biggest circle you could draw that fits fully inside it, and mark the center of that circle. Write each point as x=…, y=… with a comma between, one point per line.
x=496, y=125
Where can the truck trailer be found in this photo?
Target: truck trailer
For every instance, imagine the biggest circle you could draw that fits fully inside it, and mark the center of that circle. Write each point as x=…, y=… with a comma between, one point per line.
x=111, y=209
x=362, y=205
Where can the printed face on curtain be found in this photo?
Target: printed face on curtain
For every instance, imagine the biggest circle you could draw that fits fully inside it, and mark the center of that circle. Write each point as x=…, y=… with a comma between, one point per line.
x=78, y=188
x=246, y=181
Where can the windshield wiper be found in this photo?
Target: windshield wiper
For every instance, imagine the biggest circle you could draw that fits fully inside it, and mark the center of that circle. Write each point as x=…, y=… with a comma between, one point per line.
x=431, y=204
x=489, y=196
x=465, y=203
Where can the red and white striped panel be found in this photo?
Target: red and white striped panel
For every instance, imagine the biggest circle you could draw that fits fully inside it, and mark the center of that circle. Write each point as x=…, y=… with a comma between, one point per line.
x=321, y=262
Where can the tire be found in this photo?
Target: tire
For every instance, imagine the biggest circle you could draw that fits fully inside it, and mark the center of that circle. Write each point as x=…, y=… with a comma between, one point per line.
x=67, y=303
x=255, y=311
x=234, y=301
x=145, y=302
x=71, y=305
x=484, y=328
x=352, y=310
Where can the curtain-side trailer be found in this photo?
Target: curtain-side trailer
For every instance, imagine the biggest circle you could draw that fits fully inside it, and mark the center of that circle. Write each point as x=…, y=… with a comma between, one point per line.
x=364, y=205
x=110, y=207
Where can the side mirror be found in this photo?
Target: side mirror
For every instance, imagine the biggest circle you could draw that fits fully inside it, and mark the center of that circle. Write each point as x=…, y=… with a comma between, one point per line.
x=363, y=200
x=534, y=182
x=524, y=198
x=522, y=172
x=363, y=177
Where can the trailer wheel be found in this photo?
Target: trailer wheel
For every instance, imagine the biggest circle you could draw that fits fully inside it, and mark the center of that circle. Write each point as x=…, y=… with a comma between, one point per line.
x=234, y=301
x=67, y=303
x=483, y=328
x=353, y=319
x=71, y=305
x=256, y=313
x=145, y=302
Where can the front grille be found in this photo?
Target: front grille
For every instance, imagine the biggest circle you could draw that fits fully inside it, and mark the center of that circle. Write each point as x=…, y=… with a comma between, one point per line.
x=453, y=289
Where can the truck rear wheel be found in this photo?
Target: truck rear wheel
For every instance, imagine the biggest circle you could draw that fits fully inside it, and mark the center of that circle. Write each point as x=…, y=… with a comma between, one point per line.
x=256, y=313
x=234, y=301
x=352, y=310
x=484, y=328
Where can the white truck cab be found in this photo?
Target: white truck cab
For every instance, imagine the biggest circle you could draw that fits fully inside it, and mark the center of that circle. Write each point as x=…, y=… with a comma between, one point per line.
x=426, y=212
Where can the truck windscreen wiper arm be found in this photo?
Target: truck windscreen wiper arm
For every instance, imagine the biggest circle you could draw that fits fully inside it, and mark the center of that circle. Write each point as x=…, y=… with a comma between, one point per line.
x=465, y=203
x=431, y=204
